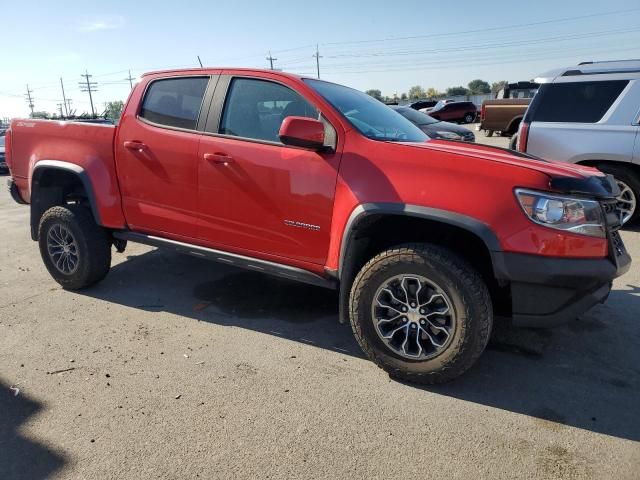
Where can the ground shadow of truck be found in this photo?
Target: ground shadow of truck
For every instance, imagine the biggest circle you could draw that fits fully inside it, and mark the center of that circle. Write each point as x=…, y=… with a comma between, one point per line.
x=21, y=457
x=585, y=374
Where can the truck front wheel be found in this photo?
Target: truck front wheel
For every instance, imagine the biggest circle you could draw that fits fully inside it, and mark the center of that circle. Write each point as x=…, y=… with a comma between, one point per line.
x=75, y=250
x=421, y=313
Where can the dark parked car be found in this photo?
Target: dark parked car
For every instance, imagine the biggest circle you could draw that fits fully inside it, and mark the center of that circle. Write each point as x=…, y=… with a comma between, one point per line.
x=436, y=128
x=423, y=104
x=461, y=112
x=3, y=163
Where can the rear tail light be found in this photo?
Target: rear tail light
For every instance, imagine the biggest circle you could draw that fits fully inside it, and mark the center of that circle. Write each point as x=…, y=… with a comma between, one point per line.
x=523, y=137
x=482, y=112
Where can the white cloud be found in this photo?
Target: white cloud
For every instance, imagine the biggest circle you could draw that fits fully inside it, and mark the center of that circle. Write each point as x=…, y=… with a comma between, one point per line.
x=100, y=24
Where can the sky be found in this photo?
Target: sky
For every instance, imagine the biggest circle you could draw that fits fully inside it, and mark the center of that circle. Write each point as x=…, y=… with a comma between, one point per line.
x=367, y=45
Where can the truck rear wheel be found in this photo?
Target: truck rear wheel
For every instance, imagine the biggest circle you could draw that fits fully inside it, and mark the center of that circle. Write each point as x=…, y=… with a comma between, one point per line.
x=421, y=313
x=75, y=250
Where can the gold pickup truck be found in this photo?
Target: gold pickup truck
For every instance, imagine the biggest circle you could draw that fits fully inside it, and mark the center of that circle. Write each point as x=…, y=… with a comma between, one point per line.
x=505, y=112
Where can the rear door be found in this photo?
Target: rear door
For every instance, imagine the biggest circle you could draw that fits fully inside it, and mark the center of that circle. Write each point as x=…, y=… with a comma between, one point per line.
x=257, y=194
x=157, y=155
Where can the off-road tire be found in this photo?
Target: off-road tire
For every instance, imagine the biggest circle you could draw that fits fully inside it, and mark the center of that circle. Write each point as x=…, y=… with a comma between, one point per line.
x=627, y=176
x=513, y=143
x=93, y=246
x=488, y=133
x=461, y=282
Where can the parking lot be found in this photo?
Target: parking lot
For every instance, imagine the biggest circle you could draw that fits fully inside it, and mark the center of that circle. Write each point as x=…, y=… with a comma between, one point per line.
x=174, y=367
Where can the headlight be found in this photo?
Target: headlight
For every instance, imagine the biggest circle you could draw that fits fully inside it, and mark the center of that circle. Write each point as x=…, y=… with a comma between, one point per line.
x=571, y=214
x=448, y=135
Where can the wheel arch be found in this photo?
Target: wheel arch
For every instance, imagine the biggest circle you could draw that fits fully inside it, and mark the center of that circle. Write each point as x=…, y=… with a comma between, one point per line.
x=633, y=167
x=54, y=182
x=364, y=231
x=514, y=124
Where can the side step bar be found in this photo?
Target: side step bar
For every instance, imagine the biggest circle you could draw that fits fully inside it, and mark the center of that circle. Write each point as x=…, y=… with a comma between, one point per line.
x=264, y=266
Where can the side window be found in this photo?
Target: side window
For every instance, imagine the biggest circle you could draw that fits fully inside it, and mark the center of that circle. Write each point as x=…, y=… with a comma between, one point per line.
x=256, y=108
x=579, y=102
x=174, y=102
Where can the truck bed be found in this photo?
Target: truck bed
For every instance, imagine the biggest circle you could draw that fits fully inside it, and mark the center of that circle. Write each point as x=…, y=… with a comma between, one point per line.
x=87, y=145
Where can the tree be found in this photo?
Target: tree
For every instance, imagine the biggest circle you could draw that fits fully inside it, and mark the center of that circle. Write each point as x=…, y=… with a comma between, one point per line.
x=113, y=110
x=377, y=94
x=404, y=97
x=432, y=93
x=416, y=92
x=497, y=86
x=478, y=86
x=457, y=91
x=42, y=114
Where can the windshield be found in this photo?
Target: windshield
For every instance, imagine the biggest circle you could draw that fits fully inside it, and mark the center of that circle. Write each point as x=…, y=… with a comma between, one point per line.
x=439, y=105
x=415, y=116
x=369, y=116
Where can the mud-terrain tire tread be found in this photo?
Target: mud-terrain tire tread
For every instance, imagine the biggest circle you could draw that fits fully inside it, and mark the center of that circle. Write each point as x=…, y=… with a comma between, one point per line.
x=463, y=274
x=94, y=246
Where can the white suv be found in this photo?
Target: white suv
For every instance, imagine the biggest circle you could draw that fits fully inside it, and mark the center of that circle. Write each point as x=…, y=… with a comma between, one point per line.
x=590, y=114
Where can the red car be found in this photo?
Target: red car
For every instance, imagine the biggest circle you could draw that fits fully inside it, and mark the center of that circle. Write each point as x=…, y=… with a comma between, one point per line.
x=461, y=112
x=426, y=240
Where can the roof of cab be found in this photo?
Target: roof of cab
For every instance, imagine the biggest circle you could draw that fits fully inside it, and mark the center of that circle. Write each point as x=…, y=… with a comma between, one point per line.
x=211, y=70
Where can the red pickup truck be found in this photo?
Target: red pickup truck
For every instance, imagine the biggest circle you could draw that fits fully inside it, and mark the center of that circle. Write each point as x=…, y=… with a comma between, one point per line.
x=426, y=240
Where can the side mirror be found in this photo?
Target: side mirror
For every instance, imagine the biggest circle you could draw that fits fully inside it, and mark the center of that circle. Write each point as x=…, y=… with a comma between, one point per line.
x=302, y=132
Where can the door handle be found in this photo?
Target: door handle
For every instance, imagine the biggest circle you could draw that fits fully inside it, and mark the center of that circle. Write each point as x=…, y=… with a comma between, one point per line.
x=218, y=158
x=135, y=145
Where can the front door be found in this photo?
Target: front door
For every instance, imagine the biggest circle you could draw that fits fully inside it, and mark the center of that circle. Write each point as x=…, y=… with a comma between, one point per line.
x=255, y=193
x=157, y=154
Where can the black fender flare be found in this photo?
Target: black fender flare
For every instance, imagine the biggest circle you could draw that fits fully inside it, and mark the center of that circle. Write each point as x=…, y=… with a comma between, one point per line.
x=480, y=229
x=44, y=166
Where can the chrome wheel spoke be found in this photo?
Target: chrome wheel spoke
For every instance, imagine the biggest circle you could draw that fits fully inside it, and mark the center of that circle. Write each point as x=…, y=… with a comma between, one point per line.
x=626, y=202
x=413, y=328
x=62, y=249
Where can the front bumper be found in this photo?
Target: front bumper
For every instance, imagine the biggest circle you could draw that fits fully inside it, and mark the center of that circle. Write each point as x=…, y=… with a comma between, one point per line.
x=550, y=291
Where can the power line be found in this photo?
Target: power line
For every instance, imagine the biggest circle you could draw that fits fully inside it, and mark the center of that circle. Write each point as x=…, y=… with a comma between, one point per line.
x=490, y=29
x=90, y=87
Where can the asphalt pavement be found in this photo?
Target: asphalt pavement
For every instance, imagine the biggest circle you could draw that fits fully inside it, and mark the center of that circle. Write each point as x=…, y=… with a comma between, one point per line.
x=174, y=367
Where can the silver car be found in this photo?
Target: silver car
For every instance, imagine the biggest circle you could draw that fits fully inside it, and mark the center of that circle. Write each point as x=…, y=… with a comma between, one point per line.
x=590, y=114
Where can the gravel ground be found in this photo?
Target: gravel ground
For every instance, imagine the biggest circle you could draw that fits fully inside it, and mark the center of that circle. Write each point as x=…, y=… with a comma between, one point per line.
x=174, y=367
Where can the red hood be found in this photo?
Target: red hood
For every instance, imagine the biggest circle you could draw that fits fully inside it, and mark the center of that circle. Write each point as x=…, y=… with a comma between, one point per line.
x=493, y=154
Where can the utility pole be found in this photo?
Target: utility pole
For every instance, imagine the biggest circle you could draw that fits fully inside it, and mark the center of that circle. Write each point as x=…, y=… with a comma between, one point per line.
x=29, y=99
x=90, y=87
x=318, y=57
x=68, y=106
x=131, y=79
x=271, y=59
x=64, y=98
x=199, y=61
x=61, y=112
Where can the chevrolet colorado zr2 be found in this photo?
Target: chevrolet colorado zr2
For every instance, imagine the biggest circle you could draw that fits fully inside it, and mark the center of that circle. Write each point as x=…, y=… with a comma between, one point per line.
x=426, y=240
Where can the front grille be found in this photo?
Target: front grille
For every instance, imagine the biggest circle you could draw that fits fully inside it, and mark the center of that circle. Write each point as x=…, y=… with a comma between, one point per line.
x=614, y=222
x=612, y=215
x=617, y=244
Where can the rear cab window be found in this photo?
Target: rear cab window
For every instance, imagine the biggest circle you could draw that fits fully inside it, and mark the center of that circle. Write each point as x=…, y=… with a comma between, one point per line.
x=574, y=102
x=174, y=102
